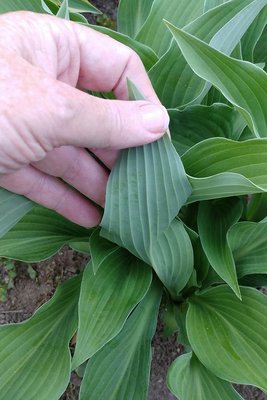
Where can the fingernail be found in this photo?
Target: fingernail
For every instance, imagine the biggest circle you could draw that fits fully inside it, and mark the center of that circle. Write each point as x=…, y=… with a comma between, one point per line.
x=155, y=118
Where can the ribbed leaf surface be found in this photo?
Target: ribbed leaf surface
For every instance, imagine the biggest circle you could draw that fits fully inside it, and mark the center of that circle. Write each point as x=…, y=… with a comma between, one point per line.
x=212, y=3
x=100, y=249
x=34, y=355
x=252, y=35
x=188, y=379
x=196, y=123
x=146, y=189
x=16, y=5
x=132, y=15
x=242, y=83
x=229, y=336
x=121, y=369
x=174, y=81
x=248, y=241
x=106, y=300
x=154, y=32
x=39, y=235
x=214, y=220
x=12, y=208
x=221, y=168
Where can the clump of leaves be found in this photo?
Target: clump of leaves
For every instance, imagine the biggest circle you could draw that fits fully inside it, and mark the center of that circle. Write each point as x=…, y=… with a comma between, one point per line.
x=187, y=216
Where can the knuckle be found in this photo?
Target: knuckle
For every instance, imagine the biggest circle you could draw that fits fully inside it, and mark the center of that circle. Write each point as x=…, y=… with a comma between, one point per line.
x=114, y=124
x=72, y=170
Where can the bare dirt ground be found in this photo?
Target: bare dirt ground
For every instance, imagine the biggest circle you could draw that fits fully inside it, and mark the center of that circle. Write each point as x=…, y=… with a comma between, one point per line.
x=29, y=293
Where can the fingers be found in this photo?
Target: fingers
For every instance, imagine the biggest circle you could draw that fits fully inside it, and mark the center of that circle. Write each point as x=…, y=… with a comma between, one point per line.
x=52, y=193
x=75, y=54
x=86, y=121
x=108, y=157
x=105, y=64
x=76, y=167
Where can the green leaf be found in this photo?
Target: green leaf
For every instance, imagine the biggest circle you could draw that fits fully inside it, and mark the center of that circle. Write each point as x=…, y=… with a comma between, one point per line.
x=229, y=336
x=256, y=208
x=248, y=241
x=188, y=379
x=242, y=83
x=39, y=235
x=172, y=257
x=260, y=54
x=100, y=249
x=174, y=81
x=214, y=220
x=212, y=3
x=154, y=34
x=16, y=5
x=83, y=6
x=132, y=15
x=196, y=123
x=121, y=369
x=63, y=11
x=107, y=298
x=80, y=245
x=74, y=6
x=221, y=168
x=254, y=280
x=137, y=209
x=34, y=355
x=147, y=55
x=12, y=208
x=252, y=35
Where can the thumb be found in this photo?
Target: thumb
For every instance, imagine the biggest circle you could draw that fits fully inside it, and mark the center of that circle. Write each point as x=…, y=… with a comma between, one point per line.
x=87, y=121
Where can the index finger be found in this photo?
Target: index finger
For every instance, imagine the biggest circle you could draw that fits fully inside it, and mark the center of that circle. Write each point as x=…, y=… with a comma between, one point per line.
x=105, y=65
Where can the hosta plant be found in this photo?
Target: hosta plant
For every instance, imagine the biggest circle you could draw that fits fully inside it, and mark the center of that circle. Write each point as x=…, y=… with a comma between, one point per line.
x=185, y=220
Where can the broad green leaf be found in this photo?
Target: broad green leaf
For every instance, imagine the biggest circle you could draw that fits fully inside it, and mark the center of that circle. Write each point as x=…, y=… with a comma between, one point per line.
x=254, y=280
x=80, y=245
x=256, y=208
x=132, y=15
x=174, y=81
x=16, y=5
x=39, y=235
x=12, y=208
x=146, y=189
x=221, y=168
x=121, y=369
x=63, y=11
x=253, y=34
x=229, y=336
x=77, y=6
x=260, y=53
x=35, y=360
x=154, y=33
x=188, y=379
x=248, y=241
x=107, y=298
x=172, y=257
x=242, y=83
x=196, y=123
x=214, y=220
x=212, y=3
x=100, y=249
x=147, y=55
x=83, y=6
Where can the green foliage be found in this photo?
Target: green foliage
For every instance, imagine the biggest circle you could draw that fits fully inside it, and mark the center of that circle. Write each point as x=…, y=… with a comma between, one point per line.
x=187, y=214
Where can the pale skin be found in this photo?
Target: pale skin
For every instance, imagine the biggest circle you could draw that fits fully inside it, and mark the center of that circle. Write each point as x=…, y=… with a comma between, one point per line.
x=47, y=123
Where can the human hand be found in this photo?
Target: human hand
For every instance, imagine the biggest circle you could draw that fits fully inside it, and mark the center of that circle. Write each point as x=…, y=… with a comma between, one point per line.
x=46, y=123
